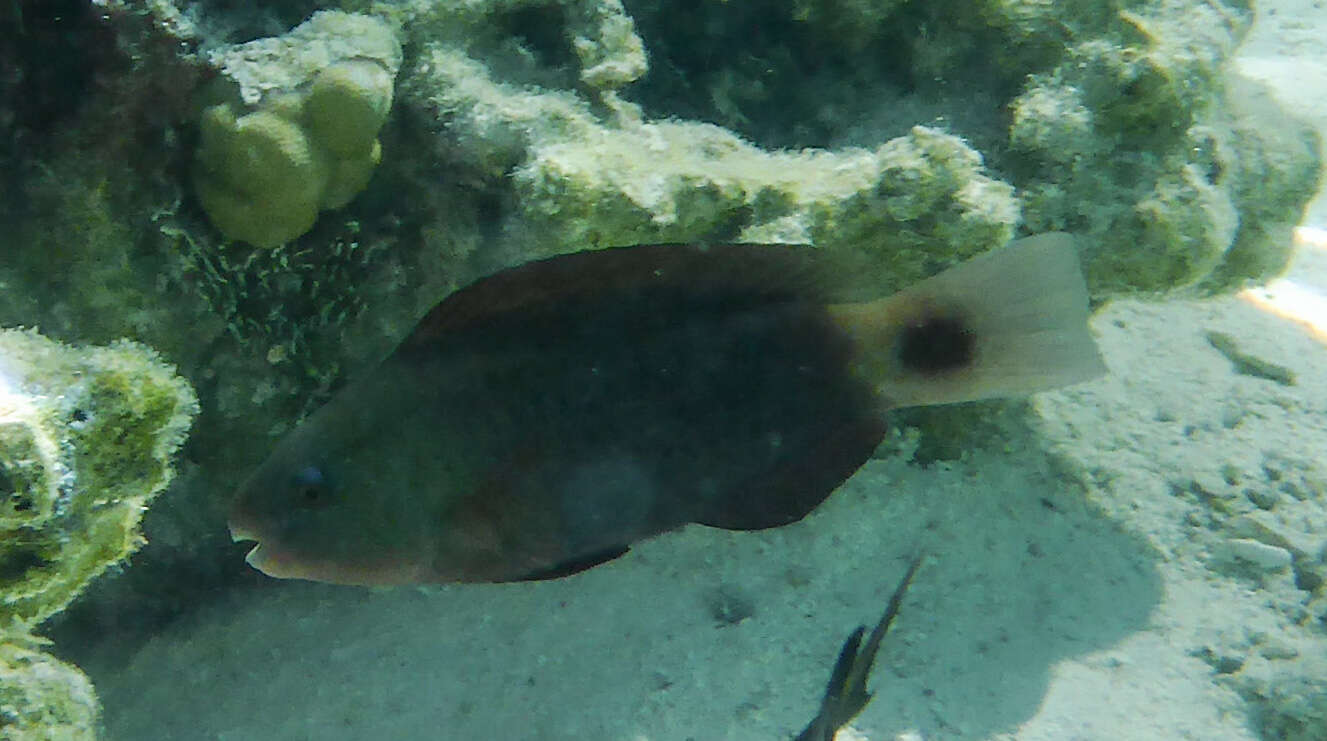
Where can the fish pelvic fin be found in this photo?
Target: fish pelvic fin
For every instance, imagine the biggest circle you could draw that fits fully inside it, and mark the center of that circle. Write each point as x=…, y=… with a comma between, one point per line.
x=1008, y=323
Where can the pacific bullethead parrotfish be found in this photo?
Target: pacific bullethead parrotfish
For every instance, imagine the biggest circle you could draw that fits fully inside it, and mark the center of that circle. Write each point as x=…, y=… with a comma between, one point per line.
x=539, y=421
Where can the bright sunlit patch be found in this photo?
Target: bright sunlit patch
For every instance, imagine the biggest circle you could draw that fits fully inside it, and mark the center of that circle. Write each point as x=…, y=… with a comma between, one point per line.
x=1311, y=237
x=1292, y=300
x=12, y=403
x=8, y=379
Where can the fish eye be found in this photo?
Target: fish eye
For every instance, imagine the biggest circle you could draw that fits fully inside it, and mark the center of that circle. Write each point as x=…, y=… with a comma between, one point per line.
x=310, y=486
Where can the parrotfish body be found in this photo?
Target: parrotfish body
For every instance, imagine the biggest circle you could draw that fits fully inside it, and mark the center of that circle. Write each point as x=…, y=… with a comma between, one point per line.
x=545, y=418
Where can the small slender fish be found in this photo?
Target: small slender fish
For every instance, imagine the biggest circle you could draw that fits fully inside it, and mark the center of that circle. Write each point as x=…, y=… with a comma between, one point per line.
x=846, y=695
x=540, y=421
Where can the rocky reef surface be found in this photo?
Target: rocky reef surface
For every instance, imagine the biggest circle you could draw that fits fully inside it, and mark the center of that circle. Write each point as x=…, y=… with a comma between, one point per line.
x=269, y=195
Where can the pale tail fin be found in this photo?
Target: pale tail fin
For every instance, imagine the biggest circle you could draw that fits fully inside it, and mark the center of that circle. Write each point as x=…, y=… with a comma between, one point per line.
x=1008, y=323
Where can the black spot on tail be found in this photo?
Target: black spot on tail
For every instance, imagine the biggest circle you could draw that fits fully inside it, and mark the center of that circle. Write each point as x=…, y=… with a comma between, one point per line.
x=936, y=344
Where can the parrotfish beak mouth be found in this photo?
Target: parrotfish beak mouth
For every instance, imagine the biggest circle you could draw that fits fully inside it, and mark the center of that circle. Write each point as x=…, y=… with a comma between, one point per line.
x=260, y=557
x=264, y=558
x=240, y=533
x=242, y=527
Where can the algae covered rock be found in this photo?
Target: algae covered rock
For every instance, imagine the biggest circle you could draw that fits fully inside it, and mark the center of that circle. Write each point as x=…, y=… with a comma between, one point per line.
x=86, y=439
x=1184, y=177
x=1120, y=124
x=580, y=182
x=42, y=697
x=924, y=190
x=294, y=131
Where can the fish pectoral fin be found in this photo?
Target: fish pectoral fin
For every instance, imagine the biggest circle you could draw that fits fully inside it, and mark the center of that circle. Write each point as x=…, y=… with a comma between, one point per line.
x=576, y=565
x=788, y=492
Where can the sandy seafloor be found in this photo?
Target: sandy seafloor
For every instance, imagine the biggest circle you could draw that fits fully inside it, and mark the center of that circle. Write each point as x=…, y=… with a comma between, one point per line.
x=1117, y=573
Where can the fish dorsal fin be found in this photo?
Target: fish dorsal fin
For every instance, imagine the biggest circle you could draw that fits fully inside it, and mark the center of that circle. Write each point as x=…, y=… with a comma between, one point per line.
x=624, y=276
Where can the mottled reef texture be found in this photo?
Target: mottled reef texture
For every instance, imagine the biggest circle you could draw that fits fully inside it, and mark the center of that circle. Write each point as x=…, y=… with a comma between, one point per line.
x=133, y=143
x=86, y=441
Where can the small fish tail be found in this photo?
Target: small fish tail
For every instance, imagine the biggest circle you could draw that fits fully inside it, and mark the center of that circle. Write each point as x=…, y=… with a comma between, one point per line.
x=1008, y=323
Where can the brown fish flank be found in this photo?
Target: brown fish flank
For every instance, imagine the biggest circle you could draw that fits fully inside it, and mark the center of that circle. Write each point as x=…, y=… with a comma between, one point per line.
x=543, y=419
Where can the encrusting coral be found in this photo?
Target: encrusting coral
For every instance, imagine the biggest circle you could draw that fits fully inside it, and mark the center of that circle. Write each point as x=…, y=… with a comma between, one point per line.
x=295, y=131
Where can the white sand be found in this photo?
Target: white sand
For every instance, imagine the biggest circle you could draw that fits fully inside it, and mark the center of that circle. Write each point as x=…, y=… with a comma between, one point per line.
x=1089, y=592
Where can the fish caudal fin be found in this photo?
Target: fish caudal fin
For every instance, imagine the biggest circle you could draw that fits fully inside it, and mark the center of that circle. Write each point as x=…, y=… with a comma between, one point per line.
x=1008, y=323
